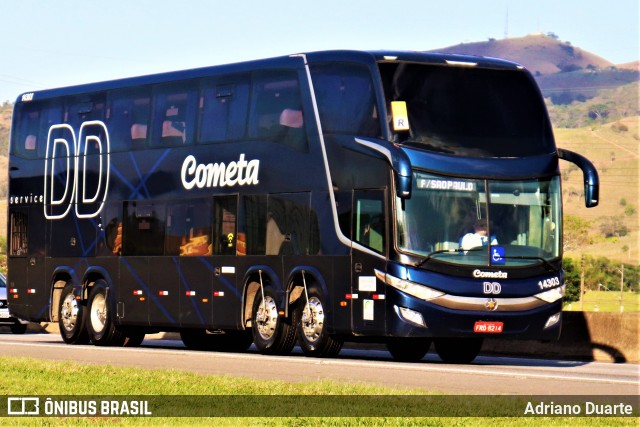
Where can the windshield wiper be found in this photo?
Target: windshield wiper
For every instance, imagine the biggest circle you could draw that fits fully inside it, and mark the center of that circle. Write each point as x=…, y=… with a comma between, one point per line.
x=443, y=251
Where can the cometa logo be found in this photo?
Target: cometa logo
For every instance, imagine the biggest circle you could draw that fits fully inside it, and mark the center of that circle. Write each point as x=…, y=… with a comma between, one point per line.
x=219, y=174
x=489, y=274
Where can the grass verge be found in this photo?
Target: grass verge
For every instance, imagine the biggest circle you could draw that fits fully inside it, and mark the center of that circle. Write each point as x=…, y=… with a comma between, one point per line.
x=30, y=377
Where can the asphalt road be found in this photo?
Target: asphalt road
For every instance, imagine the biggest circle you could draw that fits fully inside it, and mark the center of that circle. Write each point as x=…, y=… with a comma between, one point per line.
x=486, y=376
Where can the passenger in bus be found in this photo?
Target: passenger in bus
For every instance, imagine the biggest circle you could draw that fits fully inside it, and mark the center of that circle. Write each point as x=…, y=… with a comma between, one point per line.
x=292, y=129
x=478, y=237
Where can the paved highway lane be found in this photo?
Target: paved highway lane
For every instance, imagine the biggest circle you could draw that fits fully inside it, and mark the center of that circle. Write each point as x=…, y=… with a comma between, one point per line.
x=487, y=375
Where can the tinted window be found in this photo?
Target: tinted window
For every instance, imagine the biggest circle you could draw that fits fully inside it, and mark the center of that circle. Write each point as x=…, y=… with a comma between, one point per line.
x=189, y=229
x=223, y=110
x=276, y=111
x=252, y=227
x=128, y=119
x=224, y=234
x=369, y=219
x=469, y=111
x=346, y=99
x=30, y=135
x=175, y=115
x=144, y=228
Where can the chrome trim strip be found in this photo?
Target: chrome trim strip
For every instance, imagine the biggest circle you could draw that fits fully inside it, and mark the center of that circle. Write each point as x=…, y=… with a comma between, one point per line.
x=344, y=239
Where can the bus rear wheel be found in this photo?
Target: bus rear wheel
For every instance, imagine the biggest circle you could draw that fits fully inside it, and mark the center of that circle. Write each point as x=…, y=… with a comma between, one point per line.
x=71, y=318
x=313, y=337
x=458, y=350
x=408, y=349
x=272, y=334
x=100, y=319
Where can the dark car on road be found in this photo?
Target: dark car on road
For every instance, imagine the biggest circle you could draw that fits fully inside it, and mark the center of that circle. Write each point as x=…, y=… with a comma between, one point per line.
x=18, y=326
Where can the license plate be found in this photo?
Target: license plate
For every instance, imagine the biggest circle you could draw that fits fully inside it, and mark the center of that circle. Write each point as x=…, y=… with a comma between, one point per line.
x=488, y=327
x=4, y=313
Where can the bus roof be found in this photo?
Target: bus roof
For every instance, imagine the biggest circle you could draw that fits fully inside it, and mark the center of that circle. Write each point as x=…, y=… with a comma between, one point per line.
x=367, y=57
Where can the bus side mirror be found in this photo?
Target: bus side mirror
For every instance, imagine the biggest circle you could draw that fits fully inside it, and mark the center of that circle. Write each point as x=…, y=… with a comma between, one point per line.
x=590, y=174
x=397, y=158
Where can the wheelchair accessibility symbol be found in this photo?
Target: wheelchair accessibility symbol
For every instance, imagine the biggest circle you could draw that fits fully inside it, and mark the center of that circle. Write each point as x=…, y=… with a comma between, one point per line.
x=497, y=255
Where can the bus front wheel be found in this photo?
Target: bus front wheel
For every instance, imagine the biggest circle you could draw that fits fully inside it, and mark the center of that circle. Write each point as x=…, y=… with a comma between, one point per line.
x=408, y=349
x=71, y=318
x=272, y=334
x=458, y=350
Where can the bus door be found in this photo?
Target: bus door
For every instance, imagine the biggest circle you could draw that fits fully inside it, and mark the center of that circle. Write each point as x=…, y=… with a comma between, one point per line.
x=367, y=293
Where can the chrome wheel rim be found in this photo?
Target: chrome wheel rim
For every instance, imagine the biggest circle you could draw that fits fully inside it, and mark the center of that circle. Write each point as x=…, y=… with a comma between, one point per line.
x=312, y=320
x=98, y=316
x=69, y=312
x=267, y=318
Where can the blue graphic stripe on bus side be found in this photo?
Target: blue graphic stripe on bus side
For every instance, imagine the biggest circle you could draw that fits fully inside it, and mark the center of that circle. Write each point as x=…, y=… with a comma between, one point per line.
x=188, y=288
x=145, y=178
x=140, y=176
x=147, y=290
x=122, y=177
x=224, y=281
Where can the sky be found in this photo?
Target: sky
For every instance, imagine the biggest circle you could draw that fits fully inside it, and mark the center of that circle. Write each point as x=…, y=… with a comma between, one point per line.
x=66, y=42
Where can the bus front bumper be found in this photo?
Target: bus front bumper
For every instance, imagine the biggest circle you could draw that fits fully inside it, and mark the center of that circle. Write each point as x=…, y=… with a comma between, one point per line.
x=461, y=317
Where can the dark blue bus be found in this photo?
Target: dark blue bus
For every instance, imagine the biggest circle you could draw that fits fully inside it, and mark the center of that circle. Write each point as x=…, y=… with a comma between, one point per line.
x=396, y=197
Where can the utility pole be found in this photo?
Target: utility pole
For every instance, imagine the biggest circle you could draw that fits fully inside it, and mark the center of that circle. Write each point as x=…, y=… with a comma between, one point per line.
x=582, y=283
x=621, y=286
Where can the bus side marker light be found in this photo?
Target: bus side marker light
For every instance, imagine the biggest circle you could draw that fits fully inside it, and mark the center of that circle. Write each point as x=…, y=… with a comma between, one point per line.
x=343, y=303
x=142, y=298
x=205, y=300
x=15, y=296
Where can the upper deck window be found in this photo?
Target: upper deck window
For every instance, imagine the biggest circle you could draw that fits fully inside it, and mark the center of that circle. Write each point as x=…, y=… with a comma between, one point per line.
x=276, y=109
x=223, y=109
x=175, y=114
x=128, y=119
x=346, y=99
x=30, y=135
x=469, y=111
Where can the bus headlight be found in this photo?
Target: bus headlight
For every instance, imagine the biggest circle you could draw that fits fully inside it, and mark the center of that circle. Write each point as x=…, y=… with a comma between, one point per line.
x=552, y=295
x=411, y=288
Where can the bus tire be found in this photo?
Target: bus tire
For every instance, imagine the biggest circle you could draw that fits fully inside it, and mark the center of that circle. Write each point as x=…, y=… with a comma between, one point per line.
x=133, y=339
x=408, y=349
x=313, y=337
x=18, y=328
x=458, y=350
x=102, y=330
x=71, y=318
x=272, y=334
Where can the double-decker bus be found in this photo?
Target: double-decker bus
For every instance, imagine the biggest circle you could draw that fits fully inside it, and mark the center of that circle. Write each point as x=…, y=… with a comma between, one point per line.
x=397, y=197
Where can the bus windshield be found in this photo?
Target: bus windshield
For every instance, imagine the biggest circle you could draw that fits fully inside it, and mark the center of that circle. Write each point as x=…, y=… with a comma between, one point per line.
x=481, y=222
x=468, y=111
